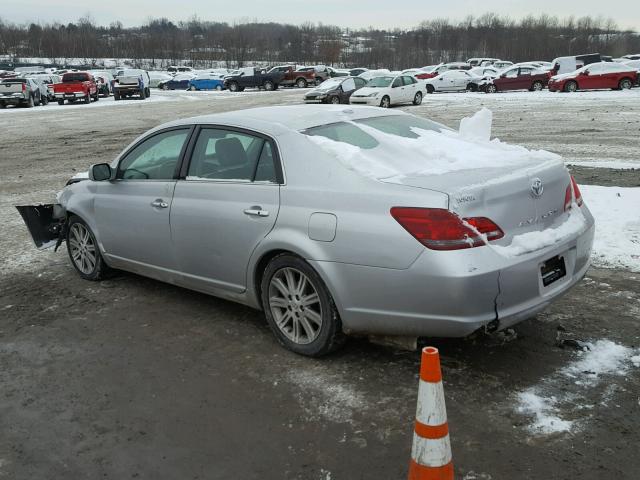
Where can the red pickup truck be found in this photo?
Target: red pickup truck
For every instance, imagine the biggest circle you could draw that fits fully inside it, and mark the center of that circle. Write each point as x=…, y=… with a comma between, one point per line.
x=293, y=77
x=76, y=86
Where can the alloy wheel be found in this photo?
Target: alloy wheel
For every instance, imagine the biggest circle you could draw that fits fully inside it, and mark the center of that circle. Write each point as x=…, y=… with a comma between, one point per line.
x=295, y=305
x=83, y=248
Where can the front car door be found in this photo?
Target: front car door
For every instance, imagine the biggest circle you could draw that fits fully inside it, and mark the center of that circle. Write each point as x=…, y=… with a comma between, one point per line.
x=132, y=210
x=396, y=92
x=225, y=204
x=410, y=88
x=346, y=88
x=507, y=79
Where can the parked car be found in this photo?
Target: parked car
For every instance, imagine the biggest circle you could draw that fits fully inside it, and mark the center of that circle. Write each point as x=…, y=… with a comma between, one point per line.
x=339, y=247
x=76, y=86
x=499, y=64
x=355, y=72
x=206, y=81
x=483, y=72
x=48, y=80
x=434, y=71
x=131, y=82
x=632, y=56
x=482, y=61
x=292, y=76
x=453, y=81
x=369, y=74
x=173, y=69
x=388, y=91
x=323, y=72
x=516, y=78
x=335, y=90
x=155, y=78
x=635, y=64
x=595, y=76
x=181, y=81
x=570, y=64
x=253, y=77
x=23, y=92
x=104, y=81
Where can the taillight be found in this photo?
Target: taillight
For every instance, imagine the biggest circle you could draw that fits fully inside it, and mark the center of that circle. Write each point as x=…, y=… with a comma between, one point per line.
x=440, y=229
x=576, y=192
x=24, y=87
x=567, y=198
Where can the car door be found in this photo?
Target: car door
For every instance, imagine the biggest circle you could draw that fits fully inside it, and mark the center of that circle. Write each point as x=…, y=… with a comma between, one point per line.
x=346, y=88
x=132, y=211
x=410, y=88
x=590, y=78
x=459, y=80
x=224, y=206
x=396, y=91
x=523, y=81
x=507, y=79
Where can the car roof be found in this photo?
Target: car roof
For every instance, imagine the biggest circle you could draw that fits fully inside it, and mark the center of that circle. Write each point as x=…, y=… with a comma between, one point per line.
x=278, y=120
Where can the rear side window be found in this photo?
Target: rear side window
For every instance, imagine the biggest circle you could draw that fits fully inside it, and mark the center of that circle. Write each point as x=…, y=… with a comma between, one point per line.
x=228, y=155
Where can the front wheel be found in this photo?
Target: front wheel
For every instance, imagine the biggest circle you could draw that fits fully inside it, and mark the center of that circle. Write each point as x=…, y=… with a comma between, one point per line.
x=491, y=88
x=219, y=88
x=84, y=251
x=417, y=100
x=269, y=86
x=233, y=87
x=60, y=102
x=192, y=88
x=570, y=86
x=385, y=102
x=334, y=100
x=299, y=307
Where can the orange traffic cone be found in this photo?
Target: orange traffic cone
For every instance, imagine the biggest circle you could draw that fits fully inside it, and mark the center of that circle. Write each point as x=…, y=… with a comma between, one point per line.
x=431, y=451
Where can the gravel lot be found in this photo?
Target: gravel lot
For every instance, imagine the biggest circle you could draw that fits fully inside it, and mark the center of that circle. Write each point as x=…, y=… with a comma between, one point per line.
x=132, y=378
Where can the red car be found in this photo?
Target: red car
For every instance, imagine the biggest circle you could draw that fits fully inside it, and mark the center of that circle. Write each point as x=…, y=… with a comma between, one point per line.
x=76, y=86
x=516, y=78
x=616, y=76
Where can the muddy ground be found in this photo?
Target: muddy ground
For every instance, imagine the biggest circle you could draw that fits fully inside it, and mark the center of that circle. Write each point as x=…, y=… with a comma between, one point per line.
x=132, y=378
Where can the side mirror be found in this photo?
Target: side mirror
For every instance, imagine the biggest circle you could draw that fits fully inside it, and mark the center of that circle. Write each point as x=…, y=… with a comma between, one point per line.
x=100, y=172
x=504, y=75
x=585, y=73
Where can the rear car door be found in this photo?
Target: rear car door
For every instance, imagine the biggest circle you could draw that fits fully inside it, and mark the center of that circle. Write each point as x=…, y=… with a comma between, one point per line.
x=410, y=88
x=523, y=82
x=396, y=92
x=132, y=211
x=225, y=204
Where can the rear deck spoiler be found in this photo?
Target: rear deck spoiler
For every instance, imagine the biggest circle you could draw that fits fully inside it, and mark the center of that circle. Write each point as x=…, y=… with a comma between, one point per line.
x=46, y=224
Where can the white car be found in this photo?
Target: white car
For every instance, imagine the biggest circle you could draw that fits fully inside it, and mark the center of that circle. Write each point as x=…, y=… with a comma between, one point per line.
x=453, y=81
x=389, y=90
x=484, y=72
x=158, y=77
x=369, y=74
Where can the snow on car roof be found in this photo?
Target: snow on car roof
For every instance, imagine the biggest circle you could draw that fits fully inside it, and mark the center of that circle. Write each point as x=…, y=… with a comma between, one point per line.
x=280, y=119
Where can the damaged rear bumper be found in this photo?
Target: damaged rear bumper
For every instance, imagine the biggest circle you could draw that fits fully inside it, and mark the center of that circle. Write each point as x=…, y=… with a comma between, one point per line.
x=47, y=224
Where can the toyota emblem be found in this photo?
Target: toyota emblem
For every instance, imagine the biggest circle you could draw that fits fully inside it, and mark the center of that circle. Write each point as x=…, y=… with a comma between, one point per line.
x=536, y=187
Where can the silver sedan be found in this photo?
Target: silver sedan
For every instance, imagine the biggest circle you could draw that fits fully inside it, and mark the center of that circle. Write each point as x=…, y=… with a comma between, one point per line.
x=333, y=221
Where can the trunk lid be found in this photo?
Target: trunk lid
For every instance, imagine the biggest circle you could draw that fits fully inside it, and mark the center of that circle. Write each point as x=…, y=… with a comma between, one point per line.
x=10, y=87
x=508, y=199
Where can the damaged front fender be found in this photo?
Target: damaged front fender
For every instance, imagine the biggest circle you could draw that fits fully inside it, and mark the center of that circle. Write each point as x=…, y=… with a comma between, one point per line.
x=47, y=224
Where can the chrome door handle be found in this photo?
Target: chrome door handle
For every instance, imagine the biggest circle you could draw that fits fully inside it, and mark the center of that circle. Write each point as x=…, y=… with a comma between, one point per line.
x=159, y=203
x=256, y=212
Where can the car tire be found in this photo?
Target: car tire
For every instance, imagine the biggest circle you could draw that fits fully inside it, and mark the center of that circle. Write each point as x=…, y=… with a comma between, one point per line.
x=269, y=86
x=60, y=102
x=3, y=105
x=30, y=102
x=87, y=98
x=491, y=88
x=312, y=327
x=472, y=87
x=417, y=99
x=84, y=251
x=625, y=84
x=430, y=89
x=301, y=83
x=192, y=88
x=97, y=97
x=385, y=102
x=219, y=88
x=165, y=86
x=233, y=87
x=116, y=96
x=537, y=86
x=44, y=100
x=571, y=86
x=335, y=100
x=147, y=92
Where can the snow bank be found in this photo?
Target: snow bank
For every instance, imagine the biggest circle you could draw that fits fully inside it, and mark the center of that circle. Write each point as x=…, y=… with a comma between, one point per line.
x=432, y=152
x=537, y=240
x=617, y=214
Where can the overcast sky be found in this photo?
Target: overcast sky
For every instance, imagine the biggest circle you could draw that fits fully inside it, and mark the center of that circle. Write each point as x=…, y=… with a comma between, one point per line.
x=346, y=13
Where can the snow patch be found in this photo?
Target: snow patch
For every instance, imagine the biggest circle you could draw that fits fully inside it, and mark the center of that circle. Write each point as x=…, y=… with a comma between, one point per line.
x=543, y=410
x=478, y=126
x=603, y=357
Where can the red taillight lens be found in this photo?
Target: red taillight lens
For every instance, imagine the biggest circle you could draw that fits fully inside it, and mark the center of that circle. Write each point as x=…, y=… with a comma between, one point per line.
x=440, y=229
x=24, y=87
x=567, y=198
x=576, y=192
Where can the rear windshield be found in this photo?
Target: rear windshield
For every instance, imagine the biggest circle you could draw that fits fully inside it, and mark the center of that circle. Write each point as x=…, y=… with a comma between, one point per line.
x=351, y=133
x=14, y=80
x=74, y=77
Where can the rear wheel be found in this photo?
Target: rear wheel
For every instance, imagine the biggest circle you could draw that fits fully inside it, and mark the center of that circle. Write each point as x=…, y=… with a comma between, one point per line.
x=147, y=92
x=30, y=102
x=83, y=250
x=165, y=86
x=60, y=102
x=625, y=84
x=570, y=86
x=116, y=96
x=491, y=88
x=301, y=83
x=537, y=86
x=385, y=102
x=299, y=307
x=219, y=88
x=44, y=100
x=192, y=88
x=335, y=100
x=430, y=89
x=417, y=100
x=87, y=98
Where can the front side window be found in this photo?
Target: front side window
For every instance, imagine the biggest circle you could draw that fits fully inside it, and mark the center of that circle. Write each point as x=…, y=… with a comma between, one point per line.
x=513, y=73
x=156, y=158
x=228, y=155
x=397, y=82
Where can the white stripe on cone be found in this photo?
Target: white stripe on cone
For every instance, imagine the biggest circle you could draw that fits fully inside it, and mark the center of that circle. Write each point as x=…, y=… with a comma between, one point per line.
x=431, y=452
x=431, y=407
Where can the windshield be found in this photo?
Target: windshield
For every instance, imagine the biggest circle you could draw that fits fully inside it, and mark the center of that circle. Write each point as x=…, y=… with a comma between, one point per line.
x=329, y=84
x=351, y=133
x=379, y=82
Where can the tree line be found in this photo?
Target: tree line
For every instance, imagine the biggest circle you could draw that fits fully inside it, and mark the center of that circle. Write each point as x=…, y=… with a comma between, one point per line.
x=201, y=43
